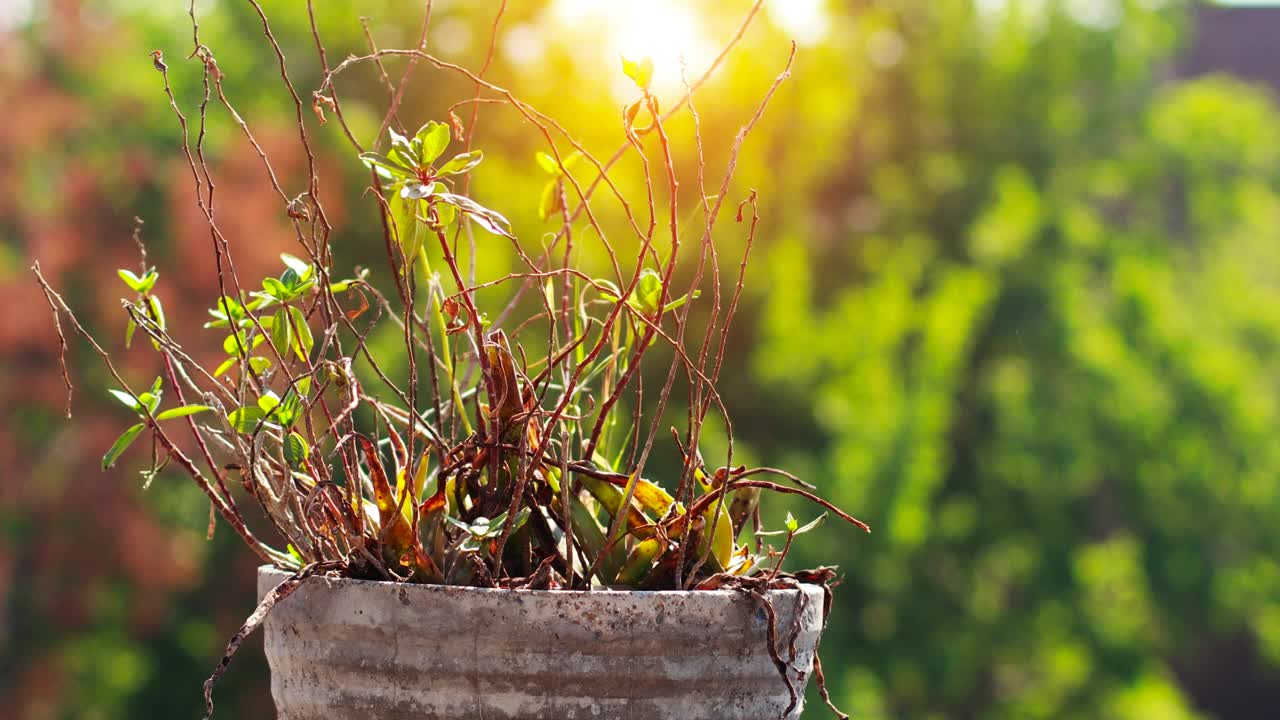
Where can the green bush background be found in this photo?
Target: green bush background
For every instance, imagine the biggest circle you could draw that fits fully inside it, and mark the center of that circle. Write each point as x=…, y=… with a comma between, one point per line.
x=1015, y=301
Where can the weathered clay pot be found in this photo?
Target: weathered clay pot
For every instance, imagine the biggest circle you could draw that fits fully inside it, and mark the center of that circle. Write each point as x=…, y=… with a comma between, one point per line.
x=351, y=649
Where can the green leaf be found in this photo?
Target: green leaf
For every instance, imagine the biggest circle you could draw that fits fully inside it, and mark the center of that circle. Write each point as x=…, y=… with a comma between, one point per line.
x=150, y=401
x=300, y=267
x=246, y=419
x=304, y=340
x=290, y=409
x=404, y=218
x=461, y=163
x=648, y=292
x=488, y=219
x=231, y=347
x=404, y=150
x=445, y=214
x=680, y=301
x=183, y=411
x=157, y=314
x=276, y=288
x=121, y=444
x=434, y=137
x=128, y=332
x=148, y=281
x=227, y=311
x=259, y=364
x=304, y=385
x=142, y=284
x=133, y=281
x=226, y=366
x=389, y=169
x=268, y=401
x=641, y=72
x=809, y=525
x=128, y=400
x=547, y=163
x=281, y=334
x=549, y=204
x=791, y=523
x=296, y=450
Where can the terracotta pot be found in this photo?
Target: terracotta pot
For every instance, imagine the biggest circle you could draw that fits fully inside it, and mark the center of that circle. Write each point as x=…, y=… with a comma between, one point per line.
x=358, y=649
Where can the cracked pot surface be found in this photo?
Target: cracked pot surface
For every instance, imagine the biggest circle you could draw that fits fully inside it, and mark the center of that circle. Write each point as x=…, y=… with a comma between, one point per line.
x=343, y=648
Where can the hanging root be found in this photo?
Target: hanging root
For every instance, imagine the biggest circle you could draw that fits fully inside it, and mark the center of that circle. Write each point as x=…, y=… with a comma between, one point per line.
x=773, y=648
x=822, y=687
x=278, y=593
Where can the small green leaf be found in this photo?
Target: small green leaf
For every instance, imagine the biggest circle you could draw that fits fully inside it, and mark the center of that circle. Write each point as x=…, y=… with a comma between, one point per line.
x=150, y=401
x=298, y=265
x=809, y=525
x=121, y=444
x=680, y=301
x=246, y=419
x=149, y=281
x=461, y=163
x=226, y=366
x=648, y=292
x=547, y=163
x=133, y=281
x=550, y=203
x=183, y=411
x=157, y=314
x=231, y=347
x=259, y=364
x=791, y=523
x=304, y=340
x=641, y=72
x=445, y=214
x=404, y=217
x=488, y=219
x=128, y=332
x=304, y=385
x=296, y=450
x=434, y=137
x=404, y=150
x=276, y=288
x=289, y=410
x=142, y=284
x=128, y=400
x=281, y=334
x=268, y=401
x=386, y=167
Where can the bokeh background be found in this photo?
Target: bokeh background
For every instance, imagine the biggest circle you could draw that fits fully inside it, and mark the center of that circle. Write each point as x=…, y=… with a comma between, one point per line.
x=1015, y=301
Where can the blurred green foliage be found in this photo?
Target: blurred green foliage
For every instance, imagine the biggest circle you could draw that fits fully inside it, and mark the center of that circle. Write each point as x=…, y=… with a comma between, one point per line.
x=1015, y=302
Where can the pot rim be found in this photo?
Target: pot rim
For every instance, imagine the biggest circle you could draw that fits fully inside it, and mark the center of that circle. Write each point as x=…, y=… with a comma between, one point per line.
x=602, y=593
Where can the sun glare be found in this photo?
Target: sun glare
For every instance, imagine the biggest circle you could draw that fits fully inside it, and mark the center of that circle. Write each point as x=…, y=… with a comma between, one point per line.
x=664, y=30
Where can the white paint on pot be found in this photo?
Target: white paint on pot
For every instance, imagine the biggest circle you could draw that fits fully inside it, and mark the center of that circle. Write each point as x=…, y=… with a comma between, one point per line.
x=352, y=649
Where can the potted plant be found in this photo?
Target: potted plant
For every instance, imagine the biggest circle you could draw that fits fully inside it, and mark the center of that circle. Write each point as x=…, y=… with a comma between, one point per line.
x=466, y=529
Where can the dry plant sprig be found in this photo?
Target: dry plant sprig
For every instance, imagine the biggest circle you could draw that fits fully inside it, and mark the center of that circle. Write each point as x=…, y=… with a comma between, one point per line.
x=513, y=472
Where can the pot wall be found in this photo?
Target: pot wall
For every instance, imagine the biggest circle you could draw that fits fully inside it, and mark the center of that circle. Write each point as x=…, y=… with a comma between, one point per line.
x=357, y=649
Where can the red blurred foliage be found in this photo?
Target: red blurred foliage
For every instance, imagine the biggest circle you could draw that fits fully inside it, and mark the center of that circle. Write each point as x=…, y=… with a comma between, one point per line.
x=68, y=527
